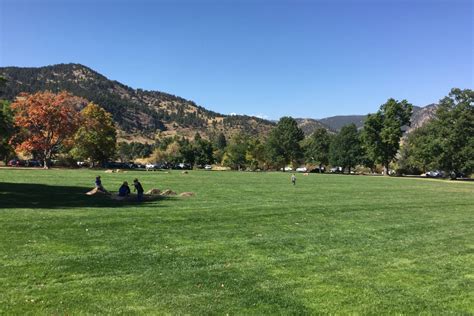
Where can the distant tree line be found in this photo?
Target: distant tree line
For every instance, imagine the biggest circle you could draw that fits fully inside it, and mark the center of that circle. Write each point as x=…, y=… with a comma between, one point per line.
x=47, y=125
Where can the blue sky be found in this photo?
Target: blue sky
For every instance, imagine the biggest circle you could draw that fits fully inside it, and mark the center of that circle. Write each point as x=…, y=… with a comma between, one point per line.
x=270, y=58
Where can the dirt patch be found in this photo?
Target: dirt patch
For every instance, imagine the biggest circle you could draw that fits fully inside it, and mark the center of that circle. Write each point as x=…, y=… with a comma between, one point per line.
x=96, y=191
x=187, y=194
x=168, y=192
x=153, y=192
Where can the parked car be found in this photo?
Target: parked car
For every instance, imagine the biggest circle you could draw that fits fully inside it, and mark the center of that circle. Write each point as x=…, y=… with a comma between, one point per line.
x=287, y=168
x=132, y=165
x=117, y=165
x=301, y=169
x=33, y=163
x=183, y=166
x=208, y=167
x=336, y=170
x=435, y=174
x=455, y=175
x=317, y=170
x=151, y=166
x=82, y=164
x=16, y=163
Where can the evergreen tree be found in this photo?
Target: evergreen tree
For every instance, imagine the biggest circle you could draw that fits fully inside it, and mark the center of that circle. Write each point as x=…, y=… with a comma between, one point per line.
x=221, y=141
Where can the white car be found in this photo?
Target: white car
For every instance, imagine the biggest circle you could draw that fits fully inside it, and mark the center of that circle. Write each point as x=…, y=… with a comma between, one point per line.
x=302, y=169
x=150, y=166
x=208, y=167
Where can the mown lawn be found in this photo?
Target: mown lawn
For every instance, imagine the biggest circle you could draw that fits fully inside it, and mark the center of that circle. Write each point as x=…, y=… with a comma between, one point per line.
x=247, y=243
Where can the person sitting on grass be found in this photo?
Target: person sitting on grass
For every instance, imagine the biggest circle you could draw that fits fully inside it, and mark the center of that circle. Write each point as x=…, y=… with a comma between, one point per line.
x=124, y=190
x=139, y=189
x=99, y=186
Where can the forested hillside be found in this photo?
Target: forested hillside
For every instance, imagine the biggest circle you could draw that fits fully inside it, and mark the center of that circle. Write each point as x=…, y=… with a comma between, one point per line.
x=135, y=111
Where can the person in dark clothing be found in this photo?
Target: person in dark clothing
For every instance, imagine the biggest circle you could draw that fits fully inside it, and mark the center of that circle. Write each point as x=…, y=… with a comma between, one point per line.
x=124, y=190
x=139, y=189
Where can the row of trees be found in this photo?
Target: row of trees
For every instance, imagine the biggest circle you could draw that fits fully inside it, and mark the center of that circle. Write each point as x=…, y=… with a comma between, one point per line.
x=47, y=124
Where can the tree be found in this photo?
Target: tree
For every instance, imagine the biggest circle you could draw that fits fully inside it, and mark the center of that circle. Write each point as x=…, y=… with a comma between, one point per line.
x=345, y=149
x=46, y=122
x=96, y=139
x=316, y=148
x=124, y=151
x=6, y=130
x=420, y=151
x=221, y=141
x=454, y=128
x=235, y=155
x=203, y=152
x=283, y=144
x=3, y=81
x=448, y=140
x=186, y=151
x=383, y=130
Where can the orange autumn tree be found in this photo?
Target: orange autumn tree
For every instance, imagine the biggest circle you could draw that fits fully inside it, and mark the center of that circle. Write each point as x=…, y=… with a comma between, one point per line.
x=46, y=121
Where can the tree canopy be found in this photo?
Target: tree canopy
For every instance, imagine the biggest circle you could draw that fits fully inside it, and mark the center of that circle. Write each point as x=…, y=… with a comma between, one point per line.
x=95, y=140
x=345, y=150
x=283, y=144
x=316, y=148
x=447, y=141
x=46, y=121
x=383, y=131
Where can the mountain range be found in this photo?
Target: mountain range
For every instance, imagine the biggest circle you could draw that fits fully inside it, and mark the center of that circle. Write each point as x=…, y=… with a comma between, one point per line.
x=142, y=115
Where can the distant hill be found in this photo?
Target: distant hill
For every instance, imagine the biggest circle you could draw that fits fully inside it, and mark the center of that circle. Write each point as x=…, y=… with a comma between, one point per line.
x=337, y=122
x=309, y=125
x=420, y=116
x=137, y=112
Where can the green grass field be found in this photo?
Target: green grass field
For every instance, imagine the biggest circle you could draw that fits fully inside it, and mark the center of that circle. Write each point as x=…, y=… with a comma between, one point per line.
x=247, y=243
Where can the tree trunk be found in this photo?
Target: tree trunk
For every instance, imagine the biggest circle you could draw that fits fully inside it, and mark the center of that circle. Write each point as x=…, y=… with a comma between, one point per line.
x=47, y=156
x=349, y=171
x=385, y=169
x=320, y=165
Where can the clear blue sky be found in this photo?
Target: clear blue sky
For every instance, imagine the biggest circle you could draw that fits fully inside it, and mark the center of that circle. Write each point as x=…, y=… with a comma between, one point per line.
x=271, y=58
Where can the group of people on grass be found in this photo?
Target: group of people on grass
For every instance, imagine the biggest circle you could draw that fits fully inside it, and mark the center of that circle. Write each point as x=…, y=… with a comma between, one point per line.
x=124, y=189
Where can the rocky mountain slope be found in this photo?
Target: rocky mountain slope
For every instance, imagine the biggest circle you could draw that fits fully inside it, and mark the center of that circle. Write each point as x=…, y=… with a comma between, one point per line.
x=420, y=116
x=309, y=125
x=138, y=113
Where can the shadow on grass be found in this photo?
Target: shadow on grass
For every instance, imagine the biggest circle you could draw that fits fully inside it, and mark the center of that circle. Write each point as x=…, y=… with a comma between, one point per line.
x=25, y=195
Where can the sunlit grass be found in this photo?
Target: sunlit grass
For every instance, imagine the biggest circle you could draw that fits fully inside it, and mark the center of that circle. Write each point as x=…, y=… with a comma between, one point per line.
x=247, y=243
